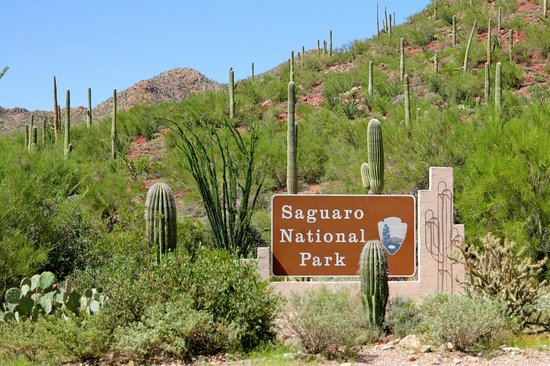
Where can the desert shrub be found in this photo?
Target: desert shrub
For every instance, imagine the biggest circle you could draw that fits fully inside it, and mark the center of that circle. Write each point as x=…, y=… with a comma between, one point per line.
x=402, y=317
x=176, y=329
x=543, y=309
x=467, y=322
x=330, y=323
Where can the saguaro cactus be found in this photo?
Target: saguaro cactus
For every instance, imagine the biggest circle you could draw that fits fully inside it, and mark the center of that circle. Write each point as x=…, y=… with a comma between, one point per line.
x=113, y=128
x=160, y=218
x=253, y=71
x=436, y=65
x=31, y=142
x=292, y=65
x=330, y=44
x=498, y=87
x=407, y=100
x=365, y=175
x=44, y=132
x=375, y=149
x=371, y=77
x=489, y=41
x=454, y=32
x=55, y=111
x=487, y=82
x=377, y=22
x=89, y=112
x=291, y=143
x=402, y=59
x=318, y=47
x=511, y=45
x=544, y=9
x=374, y=282
x=467, y=53
x=231, y=93
x=67, y=146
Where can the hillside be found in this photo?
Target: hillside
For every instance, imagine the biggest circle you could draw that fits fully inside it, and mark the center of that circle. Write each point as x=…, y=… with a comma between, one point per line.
x=173, y=85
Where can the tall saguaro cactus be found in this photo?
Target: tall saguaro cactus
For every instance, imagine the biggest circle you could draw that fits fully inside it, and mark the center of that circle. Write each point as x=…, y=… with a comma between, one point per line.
x=371, y=77
x=467, y=53
x=402, y=59
x=89, y=112
x=55, y=111
x=544, y=9
x=407, y=100
x=374, y=282
x=67, y=146
x=436, y=65
x=454, y=32
x=292, y=65
x=330, y=44
x=44, y=132
x=113, y=128
x=375, y=149
x=160, y=218
x=498, y=87
x=377, y=22
x=231, y=93
x=253, y=71
x=31, y=142
x=511, y=45
x=498, y=21
x=489, y=41
x=487, y=82
x=291, y=143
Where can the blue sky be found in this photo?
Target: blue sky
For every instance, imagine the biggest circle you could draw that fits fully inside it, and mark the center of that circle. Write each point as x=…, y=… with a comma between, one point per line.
x=113, y=44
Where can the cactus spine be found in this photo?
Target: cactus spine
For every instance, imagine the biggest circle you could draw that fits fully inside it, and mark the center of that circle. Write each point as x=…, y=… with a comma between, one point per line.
x=511, y=45
x=89, y=112
x=160, y=218
x=55, y=111
x=487, y=82
x=467, y=53
x=330, y=44
x=454, y=32
x=489, y=43
x=498, y=87
x=231, y=93
x=407, y=100
x=365, y=175
x=436, y=65
x=375, y=149
x=374, y=282
x=402, y=60
x=292, y=143
x=113, y=128
x=67, y=147
x=371, y=77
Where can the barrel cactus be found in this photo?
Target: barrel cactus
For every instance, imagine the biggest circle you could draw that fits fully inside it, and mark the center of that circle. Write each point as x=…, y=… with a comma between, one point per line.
x=375, y=150
x=160, y=218
x=374, y=282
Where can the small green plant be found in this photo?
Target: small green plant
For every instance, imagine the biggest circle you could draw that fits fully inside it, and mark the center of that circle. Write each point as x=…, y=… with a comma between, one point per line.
x=469, y=323
x=402, y=317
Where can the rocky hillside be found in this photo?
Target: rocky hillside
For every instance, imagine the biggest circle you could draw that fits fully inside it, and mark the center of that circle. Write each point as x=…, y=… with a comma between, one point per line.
x=172, y=85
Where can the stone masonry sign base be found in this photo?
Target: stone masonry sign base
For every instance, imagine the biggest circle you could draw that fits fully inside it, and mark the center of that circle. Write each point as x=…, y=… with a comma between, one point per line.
x=438, y=239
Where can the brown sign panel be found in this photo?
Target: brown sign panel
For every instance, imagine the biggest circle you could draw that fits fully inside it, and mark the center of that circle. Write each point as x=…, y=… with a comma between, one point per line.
x=323, y=235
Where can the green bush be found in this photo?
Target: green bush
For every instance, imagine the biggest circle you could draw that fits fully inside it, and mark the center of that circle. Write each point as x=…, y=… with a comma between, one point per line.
x=176, y=329
x=467, y=322
x=330, y=323
x=402, y=317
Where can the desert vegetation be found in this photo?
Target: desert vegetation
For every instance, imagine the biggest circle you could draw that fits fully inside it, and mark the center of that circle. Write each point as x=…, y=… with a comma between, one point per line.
x=133, y=237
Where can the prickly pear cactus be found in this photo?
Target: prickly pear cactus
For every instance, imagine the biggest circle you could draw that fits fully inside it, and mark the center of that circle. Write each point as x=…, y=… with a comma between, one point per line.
x=374, y=282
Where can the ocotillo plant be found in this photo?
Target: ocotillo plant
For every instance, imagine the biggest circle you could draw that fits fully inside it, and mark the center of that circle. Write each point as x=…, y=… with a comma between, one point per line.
x=252, y=71
x=160, y=218
x=511, y=45
x=375, y=149
x=31, y=133
x=113, y=128
x=291, y=143
x=454, y=32
x=436, y=65
x=407, y=100
x=365, y=175
x=498, y=87
x=402, y=59
x=67, y=147
x=489, y=43
x=487, y=82
x=467, y=53
x=55, y=111
x=231, y=93
x=371, y=77
x=89, y=112
x=330, y=44
x=374, y=282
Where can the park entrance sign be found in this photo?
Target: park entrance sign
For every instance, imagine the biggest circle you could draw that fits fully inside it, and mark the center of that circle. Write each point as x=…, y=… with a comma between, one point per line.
x=323, y=235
